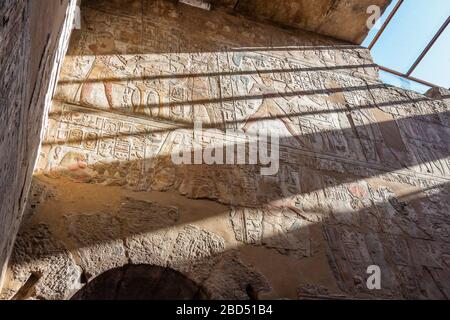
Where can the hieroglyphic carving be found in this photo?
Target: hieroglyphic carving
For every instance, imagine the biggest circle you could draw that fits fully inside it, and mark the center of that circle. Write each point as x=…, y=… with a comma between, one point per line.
x=282, y=229
x=362, y=165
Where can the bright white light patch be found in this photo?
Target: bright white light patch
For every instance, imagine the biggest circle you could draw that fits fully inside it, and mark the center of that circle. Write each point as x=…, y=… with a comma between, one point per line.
x=197, y=3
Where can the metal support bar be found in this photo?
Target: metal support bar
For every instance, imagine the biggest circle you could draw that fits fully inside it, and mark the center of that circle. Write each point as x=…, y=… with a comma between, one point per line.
x=408, y=77
x=385, y=24
x=428, y=47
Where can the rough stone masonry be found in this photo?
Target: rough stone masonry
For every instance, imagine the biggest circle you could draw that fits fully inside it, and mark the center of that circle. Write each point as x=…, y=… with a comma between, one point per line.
x=33, y=39
x=363, y=179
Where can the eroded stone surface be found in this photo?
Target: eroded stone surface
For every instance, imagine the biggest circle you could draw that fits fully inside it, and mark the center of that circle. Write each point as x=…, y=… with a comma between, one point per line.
x=31, y=52
x=232, y=279
x=438, y=93
x=282, y=229
x=193, y=246
x=104, y=238
x=363, y=174
x=98, y=238
x=344, y=19
x=37, y=251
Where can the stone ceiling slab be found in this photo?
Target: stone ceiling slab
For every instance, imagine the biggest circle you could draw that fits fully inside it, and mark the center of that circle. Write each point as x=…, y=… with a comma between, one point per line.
x=341, y=19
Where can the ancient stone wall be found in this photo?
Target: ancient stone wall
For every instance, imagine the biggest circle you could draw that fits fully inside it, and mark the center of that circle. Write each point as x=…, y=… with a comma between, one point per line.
x=33, y=38
x=363, y=173
x=343, y=20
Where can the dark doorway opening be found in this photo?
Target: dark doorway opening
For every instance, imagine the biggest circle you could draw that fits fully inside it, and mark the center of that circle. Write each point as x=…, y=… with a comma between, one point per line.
x=141, y=282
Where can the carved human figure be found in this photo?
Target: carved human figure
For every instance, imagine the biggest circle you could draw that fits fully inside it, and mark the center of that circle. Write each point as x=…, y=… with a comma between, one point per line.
x=103, y=71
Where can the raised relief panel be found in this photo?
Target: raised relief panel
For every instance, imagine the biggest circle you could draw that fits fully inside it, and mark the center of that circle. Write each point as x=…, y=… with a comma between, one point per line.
x=282, y=230
x=362, y=167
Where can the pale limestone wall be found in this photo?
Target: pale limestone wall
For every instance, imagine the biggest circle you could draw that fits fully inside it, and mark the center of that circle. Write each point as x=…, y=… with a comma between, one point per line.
x=363, y=178
x=33, y=39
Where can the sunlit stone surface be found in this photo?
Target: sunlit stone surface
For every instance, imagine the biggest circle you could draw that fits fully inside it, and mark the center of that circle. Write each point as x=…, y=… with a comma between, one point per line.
x=31, y=51
x=363, y=176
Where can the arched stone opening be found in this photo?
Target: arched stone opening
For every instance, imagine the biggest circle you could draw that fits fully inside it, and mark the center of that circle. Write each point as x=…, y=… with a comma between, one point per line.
x=141, y=282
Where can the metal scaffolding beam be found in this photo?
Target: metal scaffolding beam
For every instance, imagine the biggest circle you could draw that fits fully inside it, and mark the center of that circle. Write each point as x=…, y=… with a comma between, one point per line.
x=428, y=47
x=385, y=24
x=419, y=58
